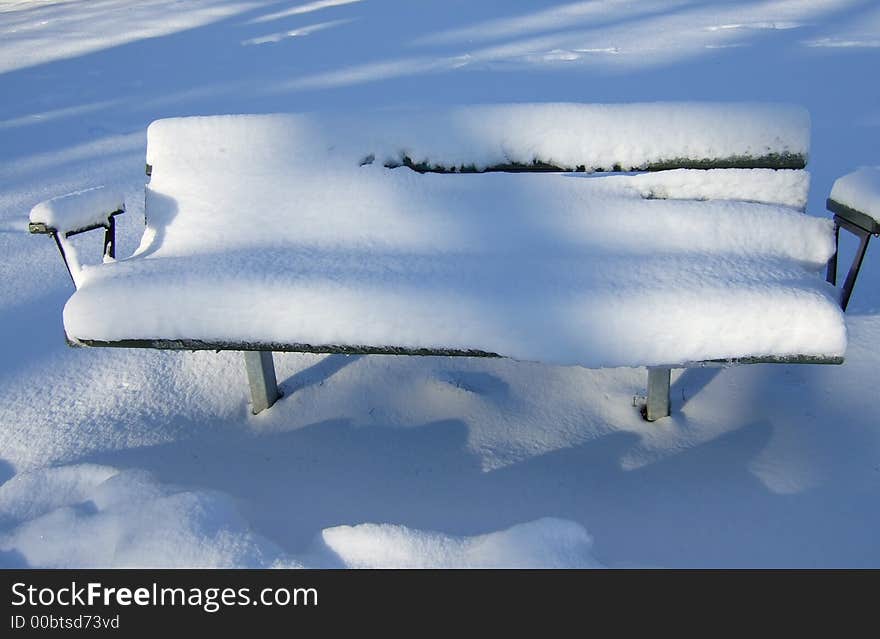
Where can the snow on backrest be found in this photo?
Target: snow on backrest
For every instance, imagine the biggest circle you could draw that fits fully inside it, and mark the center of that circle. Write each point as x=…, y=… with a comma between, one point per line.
x=318, y=180
x=591, y=137
x=236, y=142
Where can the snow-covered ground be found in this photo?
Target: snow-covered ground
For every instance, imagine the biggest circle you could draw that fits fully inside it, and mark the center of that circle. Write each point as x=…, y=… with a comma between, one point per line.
x=115, y=457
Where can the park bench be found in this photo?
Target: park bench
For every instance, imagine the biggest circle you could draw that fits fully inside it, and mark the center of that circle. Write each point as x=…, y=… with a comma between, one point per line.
x=663, y=235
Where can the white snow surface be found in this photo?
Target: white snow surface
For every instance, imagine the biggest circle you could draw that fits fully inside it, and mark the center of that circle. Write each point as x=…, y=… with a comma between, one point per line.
x=97, y=516
x=265, y=229
x=80, y=209
x=124, y=456
x=860, y=190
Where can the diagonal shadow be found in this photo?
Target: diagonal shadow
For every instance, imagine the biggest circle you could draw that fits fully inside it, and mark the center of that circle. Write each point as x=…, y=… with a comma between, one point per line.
x=317, y=374
x=690, y=383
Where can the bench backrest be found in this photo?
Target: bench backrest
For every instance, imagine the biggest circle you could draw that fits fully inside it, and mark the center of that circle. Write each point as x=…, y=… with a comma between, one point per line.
x=296, y=180
x=516, y=137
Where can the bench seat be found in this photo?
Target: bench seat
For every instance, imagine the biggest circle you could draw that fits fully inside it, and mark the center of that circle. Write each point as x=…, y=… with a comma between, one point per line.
x=564, y=268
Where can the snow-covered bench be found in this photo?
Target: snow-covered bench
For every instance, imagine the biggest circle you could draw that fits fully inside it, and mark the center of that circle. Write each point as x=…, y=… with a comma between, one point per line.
x=481, y=231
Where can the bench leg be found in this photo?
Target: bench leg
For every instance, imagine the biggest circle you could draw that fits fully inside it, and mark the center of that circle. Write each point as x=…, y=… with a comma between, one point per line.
x=850, y=282
x=658, y=394
x=261, y=378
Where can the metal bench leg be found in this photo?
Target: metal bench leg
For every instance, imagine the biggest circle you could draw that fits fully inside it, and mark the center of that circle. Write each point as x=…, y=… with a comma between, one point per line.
x=261, y=378
x=831, y=270
x=110, y=238
x=850, y=281
x=863, y=227
x=658, y=394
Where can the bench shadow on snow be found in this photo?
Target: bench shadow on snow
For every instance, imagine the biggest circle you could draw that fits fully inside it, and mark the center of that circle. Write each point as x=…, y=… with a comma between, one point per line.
x=6, y=472
x=701, y=506
x=316, y=374
x=690, y=383
x=9, y=558
x=12, y=559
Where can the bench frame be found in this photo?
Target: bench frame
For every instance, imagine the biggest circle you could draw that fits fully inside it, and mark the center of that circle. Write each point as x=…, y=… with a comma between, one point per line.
x=264, y=387
x=259, y=363
x=863, y=227
x=109, y=226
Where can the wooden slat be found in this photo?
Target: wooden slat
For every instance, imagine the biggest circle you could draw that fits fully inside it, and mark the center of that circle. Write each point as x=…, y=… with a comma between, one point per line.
x=854, y=216
x=769, y=161
x=201, y=345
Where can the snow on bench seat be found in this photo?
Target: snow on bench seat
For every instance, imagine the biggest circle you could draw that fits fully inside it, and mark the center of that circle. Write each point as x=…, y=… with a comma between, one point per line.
x=622, y=310
x=261, y=231
x=860, y=191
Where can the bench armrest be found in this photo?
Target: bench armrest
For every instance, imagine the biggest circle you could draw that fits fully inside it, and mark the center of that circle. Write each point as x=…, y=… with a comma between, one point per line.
x=856, y=198
x=78, y=212
x=855, y=203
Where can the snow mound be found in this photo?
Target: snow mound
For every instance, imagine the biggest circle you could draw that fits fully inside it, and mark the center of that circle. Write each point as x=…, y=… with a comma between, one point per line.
x=545, y=543
x=860, y=190
x=90, y=516
x=96, y=516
